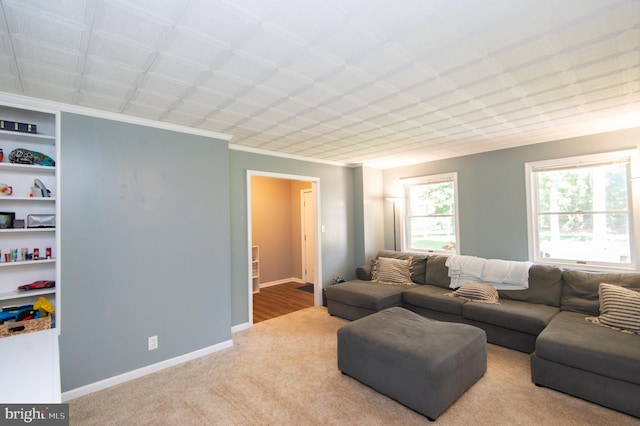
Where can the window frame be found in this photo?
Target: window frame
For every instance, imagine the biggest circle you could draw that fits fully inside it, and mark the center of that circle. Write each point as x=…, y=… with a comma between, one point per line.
x=633, y=188
x=421, y=180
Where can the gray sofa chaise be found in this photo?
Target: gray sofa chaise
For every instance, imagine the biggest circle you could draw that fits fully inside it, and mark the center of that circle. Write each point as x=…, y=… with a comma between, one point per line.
x=547, y=320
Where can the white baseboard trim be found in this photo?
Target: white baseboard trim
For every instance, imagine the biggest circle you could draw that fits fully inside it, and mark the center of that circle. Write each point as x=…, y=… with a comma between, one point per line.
x=134, y=374
x=240, y=327
x=278, y=282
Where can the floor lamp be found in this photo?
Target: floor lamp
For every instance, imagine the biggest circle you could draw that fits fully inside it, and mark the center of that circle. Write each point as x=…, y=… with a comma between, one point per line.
x=395, y=238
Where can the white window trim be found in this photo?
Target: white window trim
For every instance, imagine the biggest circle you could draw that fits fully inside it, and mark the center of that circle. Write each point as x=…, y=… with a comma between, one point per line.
x=422, y=180
x=634, y=216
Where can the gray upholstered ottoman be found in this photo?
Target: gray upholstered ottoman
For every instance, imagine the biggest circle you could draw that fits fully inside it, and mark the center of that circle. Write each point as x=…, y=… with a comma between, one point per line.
x=421, y=363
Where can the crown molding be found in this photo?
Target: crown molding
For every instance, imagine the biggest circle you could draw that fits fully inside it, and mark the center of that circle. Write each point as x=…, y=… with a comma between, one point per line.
x=20, y=101
x=37, y=103
x=290, y=156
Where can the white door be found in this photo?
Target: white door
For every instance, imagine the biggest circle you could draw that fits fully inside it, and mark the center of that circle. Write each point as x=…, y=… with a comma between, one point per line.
x=307, y=198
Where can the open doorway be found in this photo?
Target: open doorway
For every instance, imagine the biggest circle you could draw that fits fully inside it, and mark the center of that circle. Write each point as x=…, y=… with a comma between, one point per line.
x=284, y=272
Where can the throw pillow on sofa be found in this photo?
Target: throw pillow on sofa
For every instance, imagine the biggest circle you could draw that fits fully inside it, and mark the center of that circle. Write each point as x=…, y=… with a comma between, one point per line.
x=476, y=292
x=386, y=270
x=619, y=308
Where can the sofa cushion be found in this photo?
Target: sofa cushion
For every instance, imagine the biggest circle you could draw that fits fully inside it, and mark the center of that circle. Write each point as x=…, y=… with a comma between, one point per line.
x=476, y=292
x=363, y=272
x=386, y=270
x=545, y=286
x=366, y=294
x=572, y=341
x=619, y=308
x=437, y=272
x=418, y=263
x=433, y=298
x=525, y=317
x=580, y=290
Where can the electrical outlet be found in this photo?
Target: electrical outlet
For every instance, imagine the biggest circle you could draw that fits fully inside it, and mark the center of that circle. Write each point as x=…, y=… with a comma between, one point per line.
x=153, y=343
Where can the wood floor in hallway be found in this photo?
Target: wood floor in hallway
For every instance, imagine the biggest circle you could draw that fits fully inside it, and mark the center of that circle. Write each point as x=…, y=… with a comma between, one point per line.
x=279, y=300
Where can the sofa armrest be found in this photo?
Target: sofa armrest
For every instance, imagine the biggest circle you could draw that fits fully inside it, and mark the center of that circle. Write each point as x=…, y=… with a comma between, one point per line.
x=364, y=272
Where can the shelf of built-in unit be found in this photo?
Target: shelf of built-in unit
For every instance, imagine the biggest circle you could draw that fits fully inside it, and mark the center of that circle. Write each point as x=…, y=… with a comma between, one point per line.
x=18, y=294
x=28, y=199
x=27, y=137
x=26, y=230
x=30, y=168
x=26, y=263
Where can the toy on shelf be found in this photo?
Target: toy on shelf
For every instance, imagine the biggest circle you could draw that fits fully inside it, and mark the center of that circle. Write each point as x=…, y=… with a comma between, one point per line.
x=11, y=314
x=25, y=156
x=36, y=285
x=44, y=306
x=39, y=190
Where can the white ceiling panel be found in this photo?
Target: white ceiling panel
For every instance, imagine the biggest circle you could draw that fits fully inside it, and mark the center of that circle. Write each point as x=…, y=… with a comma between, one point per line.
x=244, y=107
x=10, y=83
x=273, y=115
x=111, y=71
x=68, y=10
x=348, y=42
x=151, y=112
x=319, y=94
x=111, y=48
x=246, y=67
x=294, y=106
x=28, y=23
x=93, y=99
x=163, y=9
x=45, y=90
x=155, y=99
x=136, y=25
x=32, y=51
x=268, y=38
x=182, y=118
x=193, y=47
x=8, y=66
x=312, y=65
x=35, y=71
x=167, y=86
x=223, y=83
x=219, y=21
x=176, y=68
x=102, y=87
x=367, y=82
x=310, y=19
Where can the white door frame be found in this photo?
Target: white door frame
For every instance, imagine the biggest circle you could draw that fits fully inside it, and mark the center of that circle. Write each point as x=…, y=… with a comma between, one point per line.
x=317, y=279
x=303, y=229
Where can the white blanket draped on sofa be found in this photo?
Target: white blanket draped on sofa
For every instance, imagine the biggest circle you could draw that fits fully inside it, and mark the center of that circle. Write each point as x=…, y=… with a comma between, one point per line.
x=501, y=274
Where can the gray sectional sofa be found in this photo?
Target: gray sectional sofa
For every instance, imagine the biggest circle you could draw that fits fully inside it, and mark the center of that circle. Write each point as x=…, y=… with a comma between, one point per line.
x=547, y=320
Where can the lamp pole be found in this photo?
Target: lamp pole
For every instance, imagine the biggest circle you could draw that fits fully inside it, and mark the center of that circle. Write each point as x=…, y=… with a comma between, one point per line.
x=395, y=235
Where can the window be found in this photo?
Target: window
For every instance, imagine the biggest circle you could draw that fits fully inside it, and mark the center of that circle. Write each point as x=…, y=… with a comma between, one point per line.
x=581, y=210
x=431, y=214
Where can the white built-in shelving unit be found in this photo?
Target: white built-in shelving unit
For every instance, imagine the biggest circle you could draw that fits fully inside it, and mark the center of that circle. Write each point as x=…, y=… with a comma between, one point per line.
x=255, y=268
x=30, y=362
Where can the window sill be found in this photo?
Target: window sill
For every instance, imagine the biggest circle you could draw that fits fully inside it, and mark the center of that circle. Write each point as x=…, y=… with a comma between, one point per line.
x=591, y=267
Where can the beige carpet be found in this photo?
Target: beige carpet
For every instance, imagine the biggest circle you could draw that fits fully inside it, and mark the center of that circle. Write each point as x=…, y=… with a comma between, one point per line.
x=283, y=371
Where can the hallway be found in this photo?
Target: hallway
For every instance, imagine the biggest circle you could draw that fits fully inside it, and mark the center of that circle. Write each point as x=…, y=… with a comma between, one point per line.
x=279, y=300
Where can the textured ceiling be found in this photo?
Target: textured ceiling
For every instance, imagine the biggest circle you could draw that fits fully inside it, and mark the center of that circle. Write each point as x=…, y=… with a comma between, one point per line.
x=375, y=82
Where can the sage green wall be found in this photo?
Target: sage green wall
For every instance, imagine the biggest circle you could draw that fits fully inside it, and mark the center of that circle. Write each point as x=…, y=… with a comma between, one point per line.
x=338, y=243
x=373, y=209
x=359, y=181
x=492, y=194
x=145, y=246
